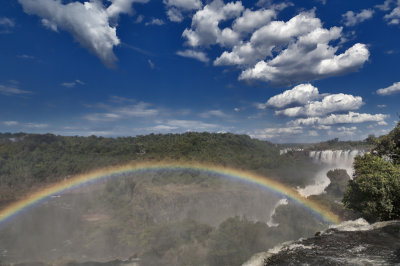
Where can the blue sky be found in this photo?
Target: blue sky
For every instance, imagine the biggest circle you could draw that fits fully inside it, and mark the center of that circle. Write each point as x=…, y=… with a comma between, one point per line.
x=284, y=71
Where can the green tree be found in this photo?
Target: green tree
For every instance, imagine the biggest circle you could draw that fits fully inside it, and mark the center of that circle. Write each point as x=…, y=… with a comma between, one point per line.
x=374, y=191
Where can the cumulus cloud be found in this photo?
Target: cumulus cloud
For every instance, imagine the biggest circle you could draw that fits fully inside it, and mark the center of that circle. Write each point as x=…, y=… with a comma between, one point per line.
x=198, y=55
x=333, y=119
x=302, y=50
x=395, y=88
x=177, y=8
x=205, y=29
x=118, y=7
x=279, y=52
x=252, y=20
x=269, y=37
x=299, y=95
x=330, y=104
x=90, y=23
x=298, y=63
x=351, y=19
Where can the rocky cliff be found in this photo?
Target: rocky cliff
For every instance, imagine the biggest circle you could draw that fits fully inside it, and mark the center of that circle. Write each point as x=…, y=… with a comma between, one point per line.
x=350, y=243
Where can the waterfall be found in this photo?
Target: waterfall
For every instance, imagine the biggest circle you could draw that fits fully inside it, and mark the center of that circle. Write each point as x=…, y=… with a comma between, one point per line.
x=330, y=159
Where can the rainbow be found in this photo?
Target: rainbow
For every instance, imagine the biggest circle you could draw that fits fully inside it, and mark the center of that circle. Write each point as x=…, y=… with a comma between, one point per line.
x=235, y=174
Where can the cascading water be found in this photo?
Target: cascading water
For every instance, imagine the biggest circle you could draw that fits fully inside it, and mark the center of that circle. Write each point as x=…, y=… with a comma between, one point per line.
x=331, y=159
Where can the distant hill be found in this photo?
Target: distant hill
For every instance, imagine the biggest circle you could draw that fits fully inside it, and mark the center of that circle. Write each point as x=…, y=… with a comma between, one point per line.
x=29, y=160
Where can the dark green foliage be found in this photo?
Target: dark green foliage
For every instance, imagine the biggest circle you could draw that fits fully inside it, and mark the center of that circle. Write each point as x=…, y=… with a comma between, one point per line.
x=375, y=190
x=389, y=145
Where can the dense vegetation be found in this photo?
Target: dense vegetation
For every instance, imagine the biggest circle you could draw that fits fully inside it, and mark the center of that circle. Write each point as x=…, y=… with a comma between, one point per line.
x=374, y=191
x=29, y=160
x=333, y=144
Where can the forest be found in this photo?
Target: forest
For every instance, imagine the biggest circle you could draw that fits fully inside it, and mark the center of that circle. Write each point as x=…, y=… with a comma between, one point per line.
x=28, y=161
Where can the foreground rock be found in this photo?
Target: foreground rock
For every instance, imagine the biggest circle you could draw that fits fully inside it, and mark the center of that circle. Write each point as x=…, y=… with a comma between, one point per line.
x=350, y=243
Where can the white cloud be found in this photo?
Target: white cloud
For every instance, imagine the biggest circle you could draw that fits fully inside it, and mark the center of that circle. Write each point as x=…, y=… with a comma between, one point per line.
x=385, y=6
x=192, y=125
x=294, y=51
x=12, y=90
x=140, y=109
x=88, y=22
x=25, y=56
x=381, y=106
x=151, y=64
x=68, y=84
x=343, y=132
x=299, y=95
x=205, y=31
x=25, y=125
x=394, y=17
x=122, y=6
x=11, y=123
x=7, y=22
x=298, y=63
x=395, y=88
x=322, y=127
x=176, y=8
x=330, y=104
x=216, y=113
x=36, y=125
x=72, y=84
x=347, y=128
x=155, y=21
x=252, y=20
x=198, y=55
x=333, y=119
x=270, y=133
x=162, y=128
x=269, y=37
x=6, y=25
x=351, y=19
x=139, y=19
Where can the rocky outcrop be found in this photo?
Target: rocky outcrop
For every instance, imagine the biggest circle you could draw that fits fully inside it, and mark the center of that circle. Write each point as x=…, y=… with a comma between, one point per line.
x=350, y=243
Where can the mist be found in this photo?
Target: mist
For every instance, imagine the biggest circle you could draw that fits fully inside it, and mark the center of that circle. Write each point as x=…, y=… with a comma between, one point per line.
x=329, y=160
x=154, y=217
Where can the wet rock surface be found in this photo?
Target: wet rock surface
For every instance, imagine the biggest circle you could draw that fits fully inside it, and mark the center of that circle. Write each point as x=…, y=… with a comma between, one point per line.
x=354, y=243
